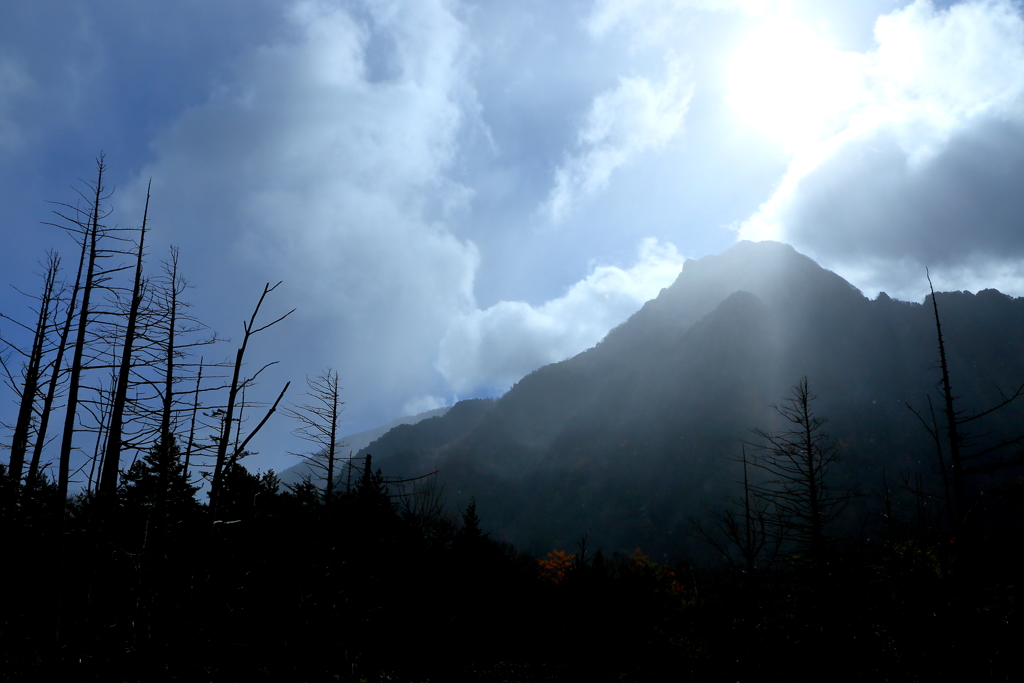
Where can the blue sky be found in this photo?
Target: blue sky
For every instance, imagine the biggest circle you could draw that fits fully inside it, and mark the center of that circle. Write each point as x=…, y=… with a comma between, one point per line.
x=456, y=192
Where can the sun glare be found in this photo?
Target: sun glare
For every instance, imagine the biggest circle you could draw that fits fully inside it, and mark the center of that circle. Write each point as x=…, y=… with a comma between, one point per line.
x=791, y=84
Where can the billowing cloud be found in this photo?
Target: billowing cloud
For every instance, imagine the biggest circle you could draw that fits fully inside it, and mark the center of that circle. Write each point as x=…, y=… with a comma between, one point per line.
x=495, y=347
x=654, y=20
x=330, y=161
x=422, y=404
x=637, y=116
x=924, y=169
x=324, y=163
x=874, y=201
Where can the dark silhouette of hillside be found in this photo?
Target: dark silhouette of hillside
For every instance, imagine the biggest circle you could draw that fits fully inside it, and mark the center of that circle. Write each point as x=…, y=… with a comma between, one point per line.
x=353, y=443
x=407, y=446
x=631, y=438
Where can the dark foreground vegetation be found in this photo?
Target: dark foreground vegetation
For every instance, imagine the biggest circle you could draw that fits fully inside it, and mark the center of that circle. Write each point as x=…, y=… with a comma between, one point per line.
x=114, y=567
x=286, y=587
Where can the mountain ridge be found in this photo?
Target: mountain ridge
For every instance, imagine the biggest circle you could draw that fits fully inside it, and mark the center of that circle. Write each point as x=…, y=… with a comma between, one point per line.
x=355, y=442
x=630, y=438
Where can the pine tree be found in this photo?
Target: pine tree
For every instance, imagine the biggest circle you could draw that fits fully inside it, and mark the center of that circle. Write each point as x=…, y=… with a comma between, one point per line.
x=470, y=531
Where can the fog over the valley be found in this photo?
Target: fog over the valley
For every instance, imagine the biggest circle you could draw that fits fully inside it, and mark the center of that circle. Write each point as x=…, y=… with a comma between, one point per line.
x=457, y=192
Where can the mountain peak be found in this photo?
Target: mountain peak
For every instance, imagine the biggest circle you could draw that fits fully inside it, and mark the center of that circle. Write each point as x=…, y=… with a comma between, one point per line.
x=635, y=436
x=772, y=271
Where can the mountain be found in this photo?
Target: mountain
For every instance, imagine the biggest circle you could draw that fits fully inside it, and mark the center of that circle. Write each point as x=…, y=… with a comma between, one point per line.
x=630, y=439
x=403, y=447
x=351, y=443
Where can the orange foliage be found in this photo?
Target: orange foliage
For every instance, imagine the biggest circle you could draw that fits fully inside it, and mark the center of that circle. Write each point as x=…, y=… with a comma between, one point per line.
x=556, y=566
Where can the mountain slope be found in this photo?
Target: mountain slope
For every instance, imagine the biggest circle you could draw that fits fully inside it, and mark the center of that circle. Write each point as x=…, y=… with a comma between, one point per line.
x=630, y=438
x=352, y=443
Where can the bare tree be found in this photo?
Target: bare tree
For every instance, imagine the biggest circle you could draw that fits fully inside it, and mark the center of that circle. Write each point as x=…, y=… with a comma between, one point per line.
x=175, y=287
x=752, y=531
x=420, y=502
x=100, y=410
x=190, y=444
x=318, y=424
x=88, y=225
x=170, y=335
x=797, y=461
x=112, y=456
x=56, y=373
x=237, y=384
x=962, y=459
x=28, y=391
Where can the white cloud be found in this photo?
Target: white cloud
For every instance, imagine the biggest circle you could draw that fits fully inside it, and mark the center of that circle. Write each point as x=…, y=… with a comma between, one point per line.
x=329, y=160
x=495, y=347
x=937, y=71
x=324, y=162
x=920, y=170
x=653, y=20
x=904, y=278
x=933, y=74
x=422, y=404
x=637, y=116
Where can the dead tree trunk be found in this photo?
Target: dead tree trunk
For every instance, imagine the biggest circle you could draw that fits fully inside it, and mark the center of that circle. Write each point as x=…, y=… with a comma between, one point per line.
x=952, y=428
x=112, y=456
x=236, y=385
x=318, y=424
x=169, y=349
x=90, y=242
x=165, y=442
x=748, y=536
x=56, y=372
x=797, y=461
x=30, y=385
x=192, y=427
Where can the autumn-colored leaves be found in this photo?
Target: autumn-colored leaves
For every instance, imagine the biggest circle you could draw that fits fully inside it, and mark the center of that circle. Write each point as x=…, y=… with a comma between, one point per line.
x=559, y=565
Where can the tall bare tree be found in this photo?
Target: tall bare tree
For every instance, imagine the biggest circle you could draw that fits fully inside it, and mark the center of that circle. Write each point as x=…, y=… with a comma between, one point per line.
x=318, y=424
x=797, y=461
x=962, y=464
x=56, y=372
x=752, y=531
x=29, y=387
x=174, y=289
x=112, y=456
x=224, y=460
x=165, y=363
x=88, y=224
x=190, y=443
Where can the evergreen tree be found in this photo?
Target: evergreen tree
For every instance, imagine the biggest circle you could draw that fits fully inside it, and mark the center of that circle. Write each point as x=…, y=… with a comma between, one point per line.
x=155, y=485
x=470, y=531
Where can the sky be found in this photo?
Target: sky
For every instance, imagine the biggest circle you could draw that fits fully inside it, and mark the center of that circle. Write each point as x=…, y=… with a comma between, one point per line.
x=457, y=192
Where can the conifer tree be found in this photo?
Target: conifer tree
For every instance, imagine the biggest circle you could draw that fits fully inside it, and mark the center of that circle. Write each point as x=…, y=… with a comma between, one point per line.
x=471, y=523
